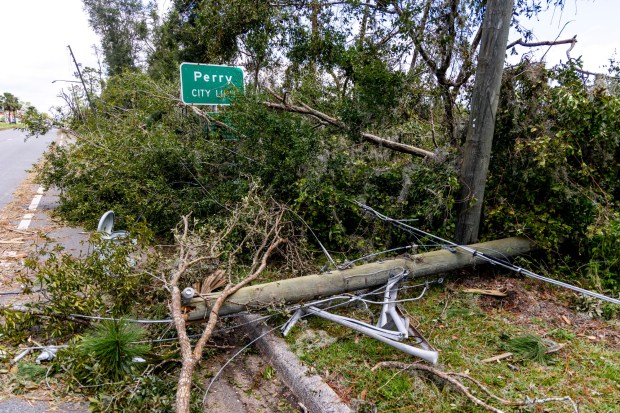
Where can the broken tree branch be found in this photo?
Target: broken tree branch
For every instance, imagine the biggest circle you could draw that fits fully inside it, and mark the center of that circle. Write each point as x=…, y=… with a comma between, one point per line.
x=262, y=224
x=455, y=383
x=379, y=141
x=587, y=72
x=453, y=379
x=520, y=42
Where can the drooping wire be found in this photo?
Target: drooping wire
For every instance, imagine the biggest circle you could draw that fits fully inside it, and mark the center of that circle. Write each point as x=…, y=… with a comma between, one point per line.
x=489, y=258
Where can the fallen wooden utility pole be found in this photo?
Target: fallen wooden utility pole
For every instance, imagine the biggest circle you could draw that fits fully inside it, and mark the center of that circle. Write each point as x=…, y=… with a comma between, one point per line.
x=311, y=287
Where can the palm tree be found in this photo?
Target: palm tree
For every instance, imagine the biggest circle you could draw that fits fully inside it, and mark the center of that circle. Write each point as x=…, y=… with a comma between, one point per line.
x=11, y=103
x=2, y=107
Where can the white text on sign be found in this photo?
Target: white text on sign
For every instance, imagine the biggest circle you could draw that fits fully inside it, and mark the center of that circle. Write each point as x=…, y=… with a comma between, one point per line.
x=211, y=78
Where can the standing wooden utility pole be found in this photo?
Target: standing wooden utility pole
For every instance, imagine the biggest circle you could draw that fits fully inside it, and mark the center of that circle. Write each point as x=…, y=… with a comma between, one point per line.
x=477, y=149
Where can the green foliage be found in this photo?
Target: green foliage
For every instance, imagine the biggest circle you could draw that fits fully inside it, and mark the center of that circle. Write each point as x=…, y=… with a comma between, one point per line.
x=112, y=345
x=132, y=158
x=35, y=123
x=10, y=102
x=149, y=159
x=139, y=388
x=123, y=27
x=210, y=32
x=28, y=376
x=528, y=347
x=30, y=372
x=554, y=174
x=102, y=283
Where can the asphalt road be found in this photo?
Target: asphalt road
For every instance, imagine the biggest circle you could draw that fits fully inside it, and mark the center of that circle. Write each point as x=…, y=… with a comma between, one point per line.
x=16, y=156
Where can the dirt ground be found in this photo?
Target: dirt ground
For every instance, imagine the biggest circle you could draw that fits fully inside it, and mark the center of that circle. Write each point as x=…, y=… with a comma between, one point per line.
x=531, y=300
x=247, y=385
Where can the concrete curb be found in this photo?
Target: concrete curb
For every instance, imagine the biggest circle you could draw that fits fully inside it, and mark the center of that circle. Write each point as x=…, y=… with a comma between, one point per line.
x=309, y=388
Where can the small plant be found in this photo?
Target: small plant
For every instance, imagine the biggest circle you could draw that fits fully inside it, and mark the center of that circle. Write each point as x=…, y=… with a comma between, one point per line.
x=104, y=282
x=528, y=347
x=593, y=307
x=113, y=344
x=30, y=372
x=561, y=334
x=269, y=373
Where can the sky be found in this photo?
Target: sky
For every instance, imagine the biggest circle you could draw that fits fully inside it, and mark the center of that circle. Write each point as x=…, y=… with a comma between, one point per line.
x=596, y=24
x=35, y=35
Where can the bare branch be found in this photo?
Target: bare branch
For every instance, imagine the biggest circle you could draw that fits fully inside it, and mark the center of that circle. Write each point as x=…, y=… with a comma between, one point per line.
x=263, y=226
x=467, y=68
x=452, y=378
x=455, y=383
x=587, y=72
x=520, y=42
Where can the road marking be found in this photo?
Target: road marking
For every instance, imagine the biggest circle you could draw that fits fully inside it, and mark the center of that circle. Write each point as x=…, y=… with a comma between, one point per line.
x=25, y=222
x=27, y=219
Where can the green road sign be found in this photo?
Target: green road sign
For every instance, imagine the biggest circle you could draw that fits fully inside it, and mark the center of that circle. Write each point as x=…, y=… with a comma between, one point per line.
x=209, y=84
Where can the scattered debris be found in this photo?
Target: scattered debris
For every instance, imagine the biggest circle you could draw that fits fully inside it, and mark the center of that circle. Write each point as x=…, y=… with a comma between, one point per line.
x=47, y=354
x=21, y=356
x=498, y=357
x=493, y=293
x=12, y=241
x=14, y=255
x=393, y=326
x=530, y=347
x=455, y=380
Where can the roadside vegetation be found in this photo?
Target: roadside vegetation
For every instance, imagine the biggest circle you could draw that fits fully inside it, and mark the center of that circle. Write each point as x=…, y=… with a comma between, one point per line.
x=262, y=188
x=469, y=328
x=10, y=126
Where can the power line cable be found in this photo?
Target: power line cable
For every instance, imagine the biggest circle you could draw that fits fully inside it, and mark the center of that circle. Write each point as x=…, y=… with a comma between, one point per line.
x=493, y=260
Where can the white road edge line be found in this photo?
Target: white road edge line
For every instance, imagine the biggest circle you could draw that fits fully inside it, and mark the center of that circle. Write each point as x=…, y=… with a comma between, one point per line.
x=25, y=222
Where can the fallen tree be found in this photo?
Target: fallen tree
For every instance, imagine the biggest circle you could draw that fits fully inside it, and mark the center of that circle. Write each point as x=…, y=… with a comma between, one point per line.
x=309, y=287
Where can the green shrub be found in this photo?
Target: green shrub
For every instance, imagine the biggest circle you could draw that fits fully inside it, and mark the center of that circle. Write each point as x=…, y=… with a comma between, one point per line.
x=554, y=171
x=113, y=345
x=149, y=158
x=104, y=282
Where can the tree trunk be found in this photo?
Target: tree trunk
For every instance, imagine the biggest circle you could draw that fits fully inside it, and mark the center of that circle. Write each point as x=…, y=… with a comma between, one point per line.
x=184, y=387
x=477, y=149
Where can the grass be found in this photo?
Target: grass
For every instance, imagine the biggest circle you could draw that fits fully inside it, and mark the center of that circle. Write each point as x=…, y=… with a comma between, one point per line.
x=4, y=125
x=465, y=334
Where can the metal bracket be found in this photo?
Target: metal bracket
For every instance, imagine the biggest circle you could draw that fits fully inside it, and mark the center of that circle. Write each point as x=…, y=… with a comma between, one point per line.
x=391, y=316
